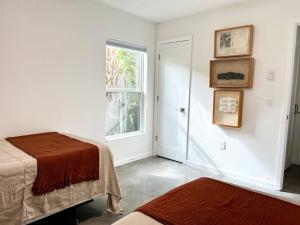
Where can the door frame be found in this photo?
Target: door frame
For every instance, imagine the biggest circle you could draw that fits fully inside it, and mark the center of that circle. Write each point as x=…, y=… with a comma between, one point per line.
x=288, y=91
x=295, y=92
x=155, y=127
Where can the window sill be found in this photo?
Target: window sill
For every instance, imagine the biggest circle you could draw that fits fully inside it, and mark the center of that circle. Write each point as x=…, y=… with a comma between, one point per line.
x=123, y=136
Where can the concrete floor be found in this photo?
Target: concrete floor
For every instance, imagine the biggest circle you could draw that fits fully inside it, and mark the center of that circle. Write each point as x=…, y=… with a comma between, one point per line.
x=140, y=182
x=146, y=179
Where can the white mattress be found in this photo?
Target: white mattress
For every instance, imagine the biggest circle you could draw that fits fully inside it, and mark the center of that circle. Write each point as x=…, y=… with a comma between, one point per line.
x=17, y=174
x=137, y=218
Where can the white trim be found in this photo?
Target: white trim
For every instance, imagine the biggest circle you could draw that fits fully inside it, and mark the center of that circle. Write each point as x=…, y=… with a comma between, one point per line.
x=289, y=150
x=173, y=40
x=287, y=96
x=143, y=81
x=189, y=103
x=155, y=120
x=141, y=90
x=123, y=136
x=126, y=45
x=133, y=158
x=127, y=90
x=296, y=162
x=227, y=174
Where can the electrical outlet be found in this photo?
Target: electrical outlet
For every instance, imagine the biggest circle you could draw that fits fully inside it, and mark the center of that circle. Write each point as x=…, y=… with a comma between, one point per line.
x=223, y=145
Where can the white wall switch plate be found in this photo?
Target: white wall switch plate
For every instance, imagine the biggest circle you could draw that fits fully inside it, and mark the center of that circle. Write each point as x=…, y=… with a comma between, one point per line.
x=270, y=75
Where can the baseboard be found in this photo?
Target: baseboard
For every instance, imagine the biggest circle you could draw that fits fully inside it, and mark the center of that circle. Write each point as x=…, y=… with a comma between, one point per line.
x=230, y=175
x=295, y=162
x=133, y=158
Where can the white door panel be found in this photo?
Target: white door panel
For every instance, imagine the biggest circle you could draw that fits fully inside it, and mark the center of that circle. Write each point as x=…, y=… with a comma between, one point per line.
x=293, y=146
x=174, y=82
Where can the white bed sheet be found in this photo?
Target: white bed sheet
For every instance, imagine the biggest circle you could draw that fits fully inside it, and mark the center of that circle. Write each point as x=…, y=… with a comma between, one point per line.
x=137, y=218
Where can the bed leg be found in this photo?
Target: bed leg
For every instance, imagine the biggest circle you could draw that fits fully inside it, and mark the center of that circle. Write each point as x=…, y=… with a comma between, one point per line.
x=75, y=220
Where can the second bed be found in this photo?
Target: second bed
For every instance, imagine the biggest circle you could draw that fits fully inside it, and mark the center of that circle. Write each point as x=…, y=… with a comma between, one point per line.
x=18, y=171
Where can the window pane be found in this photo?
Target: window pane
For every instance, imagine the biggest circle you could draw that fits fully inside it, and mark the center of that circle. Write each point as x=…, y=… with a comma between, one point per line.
x=123, y=112
x=123, y=68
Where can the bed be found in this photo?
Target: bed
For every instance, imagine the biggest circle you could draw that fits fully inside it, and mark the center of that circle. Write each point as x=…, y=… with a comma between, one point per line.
x=137, y=218
x=207, y=201
x=18, y=170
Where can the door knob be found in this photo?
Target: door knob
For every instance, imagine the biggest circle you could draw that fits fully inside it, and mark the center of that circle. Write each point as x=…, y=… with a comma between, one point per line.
x=296, y=110
x=182, y=110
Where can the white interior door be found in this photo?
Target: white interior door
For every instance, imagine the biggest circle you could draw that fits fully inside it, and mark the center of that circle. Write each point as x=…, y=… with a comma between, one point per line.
x=173, y=102
x=293, y=153
x=290, y=145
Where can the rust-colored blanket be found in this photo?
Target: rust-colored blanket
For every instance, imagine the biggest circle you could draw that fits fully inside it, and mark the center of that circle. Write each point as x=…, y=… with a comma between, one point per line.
x=61, y=160
x=209, y=202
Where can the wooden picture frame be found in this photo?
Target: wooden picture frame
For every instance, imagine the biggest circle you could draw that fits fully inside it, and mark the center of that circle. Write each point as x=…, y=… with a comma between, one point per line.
x=228, y=108
x=234, y=42
x=231, y=73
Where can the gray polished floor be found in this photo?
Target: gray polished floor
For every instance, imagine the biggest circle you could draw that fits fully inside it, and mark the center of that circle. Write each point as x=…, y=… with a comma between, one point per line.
x=140, y=182
x=146, y=179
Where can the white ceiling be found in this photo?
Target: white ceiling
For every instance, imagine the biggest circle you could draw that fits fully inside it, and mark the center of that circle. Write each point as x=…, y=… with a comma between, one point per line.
x=162, y=10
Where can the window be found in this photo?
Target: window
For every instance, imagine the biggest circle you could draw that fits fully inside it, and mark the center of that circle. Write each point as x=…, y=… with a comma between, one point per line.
x=124, y=88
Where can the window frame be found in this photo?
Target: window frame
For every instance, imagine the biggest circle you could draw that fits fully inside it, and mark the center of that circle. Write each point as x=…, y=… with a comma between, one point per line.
x=140, y=90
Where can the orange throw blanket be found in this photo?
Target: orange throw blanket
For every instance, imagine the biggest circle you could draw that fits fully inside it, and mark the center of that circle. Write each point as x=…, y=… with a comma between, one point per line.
x=210, y=202
x=61, y=160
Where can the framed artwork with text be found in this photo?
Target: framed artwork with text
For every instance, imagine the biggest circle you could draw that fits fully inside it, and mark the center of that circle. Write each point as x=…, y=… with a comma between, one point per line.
x=228, y=108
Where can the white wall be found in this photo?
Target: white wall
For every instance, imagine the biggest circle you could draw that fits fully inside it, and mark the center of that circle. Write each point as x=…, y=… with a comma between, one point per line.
x=252, y=151
x=52, y=68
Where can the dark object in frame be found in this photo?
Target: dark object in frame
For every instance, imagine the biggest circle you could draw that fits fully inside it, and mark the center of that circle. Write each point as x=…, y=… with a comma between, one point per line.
x=234, y=42
x=231, y=73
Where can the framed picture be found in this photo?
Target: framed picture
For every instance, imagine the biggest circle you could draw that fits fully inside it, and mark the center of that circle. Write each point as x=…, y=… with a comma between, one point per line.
x=228, y=108
x=233, y=42
x=231, y=73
